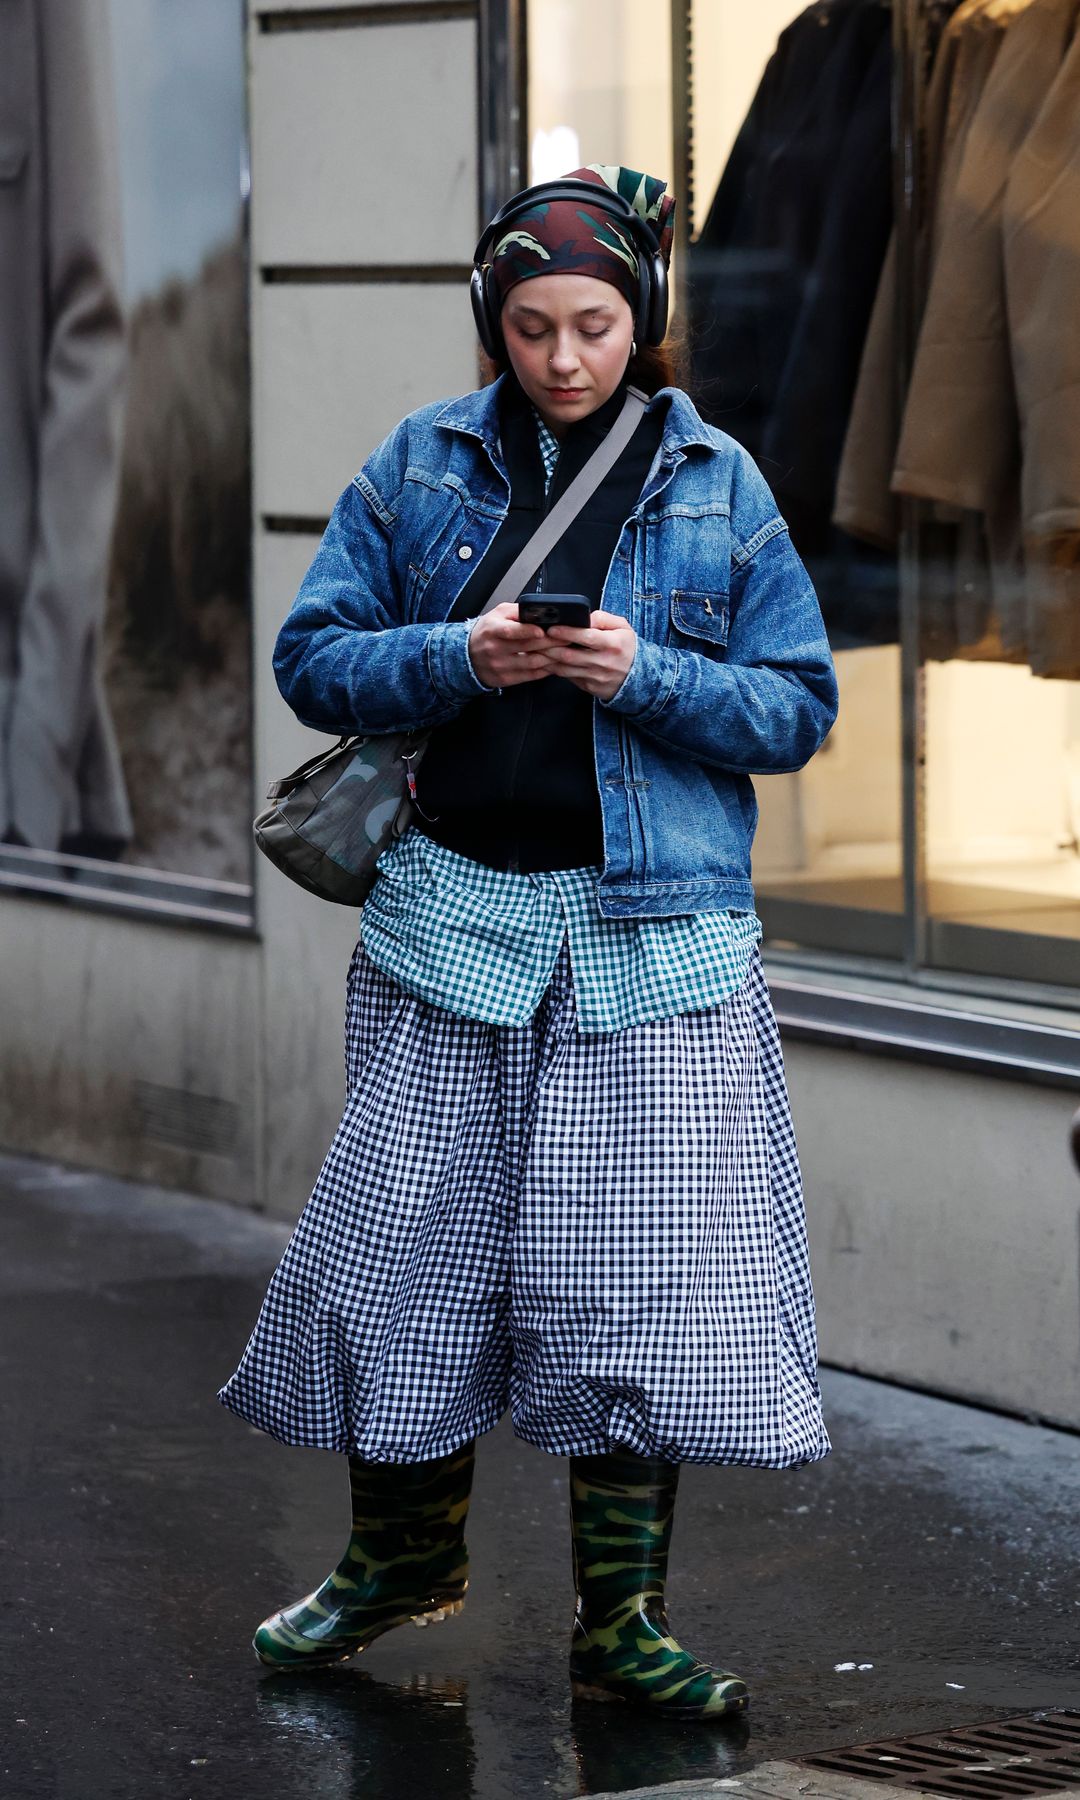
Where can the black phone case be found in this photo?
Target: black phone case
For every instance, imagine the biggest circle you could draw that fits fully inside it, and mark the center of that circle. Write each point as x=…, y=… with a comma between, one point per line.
x=536, y=602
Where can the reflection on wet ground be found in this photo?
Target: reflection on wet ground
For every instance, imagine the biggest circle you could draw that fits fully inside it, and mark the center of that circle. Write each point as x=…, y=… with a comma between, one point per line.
x=146, y=1532
x=377, y=1731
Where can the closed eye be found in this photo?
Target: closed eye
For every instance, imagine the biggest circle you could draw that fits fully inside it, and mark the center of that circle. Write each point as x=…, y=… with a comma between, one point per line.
x=534, y=337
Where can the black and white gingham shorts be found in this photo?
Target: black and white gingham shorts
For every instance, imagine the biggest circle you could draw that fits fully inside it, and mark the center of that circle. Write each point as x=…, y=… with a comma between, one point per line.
x=603, y=1232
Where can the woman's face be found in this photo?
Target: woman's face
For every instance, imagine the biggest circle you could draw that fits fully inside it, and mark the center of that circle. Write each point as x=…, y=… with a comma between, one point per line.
x=568, y=338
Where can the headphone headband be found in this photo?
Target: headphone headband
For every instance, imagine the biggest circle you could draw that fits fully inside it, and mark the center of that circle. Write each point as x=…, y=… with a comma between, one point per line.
x=569, y=187
x=650, y=313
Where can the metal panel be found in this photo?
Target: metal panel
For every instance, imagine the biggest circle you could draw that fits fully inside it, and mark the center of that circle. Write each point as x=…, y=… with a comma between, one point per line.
x=364, y=144
x=338, y=368
x=853, y=930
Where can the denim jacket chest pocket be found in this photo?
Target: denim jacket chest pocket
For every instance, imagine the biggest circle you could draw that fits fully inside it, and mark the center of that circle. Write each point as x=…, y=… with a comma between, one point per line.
x=685, y=573
x=700, y=621
x=445, y=522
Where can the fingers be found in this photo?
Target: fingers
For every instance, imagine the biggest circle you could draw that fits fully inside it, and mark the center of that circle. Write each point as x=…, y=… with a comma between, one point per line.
x=519, y=668
x=584, y=667
x=570, y=659
x=595, y=659
x=595, y=633
x=509, y=671
x=503, y=651
x=498, y=627
x=592, y=649
x=508, y=614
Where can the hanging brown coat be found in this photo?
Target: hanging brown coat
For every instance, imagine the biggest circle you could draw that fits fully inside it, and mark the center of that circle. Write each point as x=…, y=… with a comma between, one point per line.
x=960, y=442
x=1042, y=279
x=865, y=503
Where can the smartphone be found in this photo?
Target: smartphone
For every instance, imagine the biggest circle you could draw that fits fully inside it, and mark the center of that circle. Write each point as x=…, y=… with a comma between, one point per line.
x=554, y=609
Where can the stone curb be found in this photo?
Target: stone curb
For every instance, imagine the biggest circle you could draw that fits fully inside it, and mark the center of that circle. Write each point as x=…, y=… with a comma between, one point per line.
x=780, y=1781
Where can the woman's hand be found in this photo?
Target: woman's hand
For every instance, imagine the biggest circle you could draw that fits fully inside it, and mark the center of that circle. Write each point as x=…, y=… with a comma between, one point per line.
x=596, y=657
x=504, y=652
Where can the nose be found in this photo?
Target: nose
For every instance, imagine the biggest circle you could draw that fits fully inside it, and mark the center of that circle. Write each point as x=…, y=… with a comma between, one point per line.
x=564, y=358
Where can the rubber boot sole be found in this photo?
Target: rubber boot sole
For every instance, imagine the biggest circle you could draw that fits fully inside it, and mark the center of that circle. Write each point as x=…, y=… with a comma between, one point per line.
x=594, y=1690
x=333, y=1654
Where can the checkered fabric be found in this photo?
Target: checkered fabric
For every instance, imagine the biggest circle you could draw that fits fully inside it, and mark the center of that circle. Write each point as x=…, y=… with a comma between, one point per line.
x=549, y=450
x=483, y=942
x=604, y=1233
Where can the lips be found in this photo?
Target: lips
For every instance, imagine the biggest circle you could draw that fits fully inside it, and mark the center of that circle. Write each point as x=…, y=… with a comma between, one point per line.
x=566, y=393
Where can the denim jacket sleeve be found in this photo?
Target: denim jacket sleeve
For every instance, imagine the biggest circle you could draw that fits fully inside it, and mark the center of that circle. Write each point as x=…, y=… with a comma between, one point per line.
x=345, y=661
x=770, y=703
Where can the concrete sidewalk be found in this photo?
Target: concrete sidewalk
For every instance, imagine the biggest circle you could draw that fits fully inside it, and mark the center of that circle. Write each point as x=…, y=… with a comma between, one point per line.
x=921, y=1578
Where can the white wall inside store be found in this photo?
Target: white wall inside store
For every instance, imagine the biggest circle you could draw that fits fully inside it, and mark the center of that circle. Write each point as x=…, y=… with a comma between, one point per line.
x=1002, y=779
x=732, y=44
x=841, y=814
x=604, y=70
x=1002, y=749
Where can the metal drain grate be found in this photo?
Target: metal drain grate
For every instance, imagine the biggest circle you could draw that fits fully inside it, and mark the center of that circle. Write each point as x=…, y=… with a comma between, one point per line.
x=1036, y=1754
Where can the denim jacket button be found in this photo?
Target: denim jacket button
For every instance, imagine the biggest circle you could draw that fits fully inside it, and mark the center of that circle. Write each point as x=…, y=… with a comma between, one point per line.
x=465, y=552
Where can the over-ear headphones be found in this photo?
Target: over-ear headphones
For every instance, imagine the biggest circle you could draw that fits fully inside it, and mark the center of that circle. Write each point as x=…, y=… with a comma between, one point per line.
x=651, y=312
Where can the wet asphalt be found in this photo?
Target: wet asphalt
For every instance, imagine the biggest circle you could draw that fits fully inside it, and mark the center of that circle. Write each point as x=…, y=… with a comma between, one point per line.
x=145, y=1531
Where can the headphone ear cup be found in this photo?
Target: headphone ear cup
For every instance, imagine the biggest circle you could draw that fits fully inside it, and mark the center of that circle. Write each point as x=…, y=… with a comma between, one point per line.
x=656, y=329
x=643, y=308
x=486, y=327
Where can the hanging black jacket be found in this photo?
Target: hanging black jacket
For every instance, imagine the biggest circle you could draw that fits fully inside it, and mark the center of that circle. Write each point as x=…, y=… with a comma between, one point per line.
x=749, y=263
x=782, y=281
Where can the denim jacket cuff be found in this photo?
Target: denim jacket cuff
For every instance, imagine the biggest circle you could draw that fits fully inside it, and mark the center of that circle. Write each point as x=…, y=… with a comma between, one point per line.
x=647, y=686
x=450, y=665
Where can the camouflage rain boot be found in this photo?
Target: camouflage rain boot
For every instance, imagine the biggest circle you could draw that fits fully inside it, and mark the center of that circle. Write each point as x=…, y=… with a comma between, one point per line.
x=406, y=1560
x=621, y=1509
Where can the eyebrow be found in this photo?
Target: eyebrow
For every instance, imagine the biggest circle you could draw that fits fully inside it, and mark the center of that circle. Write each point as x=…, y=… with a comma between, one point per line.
x=583, y=313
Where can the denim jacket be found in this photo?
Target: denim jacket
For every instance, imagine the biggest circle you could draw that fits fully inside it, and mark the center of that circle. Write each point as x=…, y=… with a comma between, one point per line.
x=732, y=675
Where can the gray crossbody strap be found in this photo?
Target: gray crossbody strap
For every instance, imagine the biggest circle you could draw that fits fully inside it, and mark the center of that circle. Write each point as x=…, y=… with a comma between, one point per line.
x=566, y=509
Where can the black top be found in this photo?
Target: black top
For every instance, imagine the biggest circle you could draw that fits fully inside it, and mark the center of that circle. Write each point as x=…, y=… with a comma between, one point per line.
x=511, y=780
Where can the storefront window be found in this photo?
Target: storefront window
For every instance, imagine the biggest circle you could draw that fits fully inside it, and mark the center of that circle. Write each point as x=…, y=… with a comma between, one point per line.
x=125, y=686
x=906, y=381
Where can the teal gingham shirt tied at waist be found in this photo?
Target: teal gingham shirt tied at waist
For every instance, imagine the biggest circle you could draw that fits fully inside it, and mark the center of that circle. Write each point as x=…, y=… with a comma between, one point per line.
x=483, y=942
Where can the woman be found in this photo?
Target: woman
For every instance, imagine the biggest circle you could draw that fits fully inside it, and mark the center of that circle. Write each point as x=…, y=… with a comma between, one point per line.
x=565, y=1179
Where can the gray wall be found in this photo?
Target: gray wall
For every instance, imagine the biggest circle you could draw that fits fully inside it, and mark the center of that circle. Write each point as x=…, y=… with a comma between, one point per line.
x=944, y=1216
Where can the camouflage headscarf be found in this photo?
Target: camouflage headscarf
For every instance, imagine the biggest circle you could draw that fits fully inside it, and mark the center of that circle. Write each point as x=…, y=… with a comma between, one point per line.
x=569, y=237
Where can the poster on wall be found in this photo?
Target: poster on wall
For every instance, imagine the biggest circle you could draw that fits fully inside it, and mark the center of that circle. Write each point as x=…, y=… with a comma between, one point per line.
x=125, y=685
